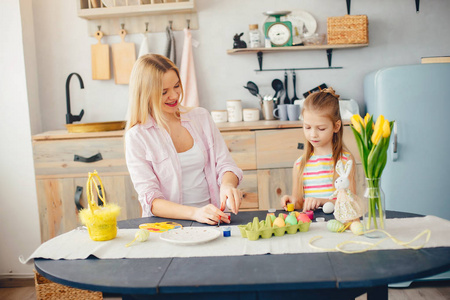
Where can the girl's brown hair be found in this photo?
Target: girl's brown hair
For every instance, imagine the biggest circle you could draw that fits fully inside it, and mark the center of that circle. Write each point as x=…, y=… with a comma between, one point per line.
x=146, y=88
x=325, y=102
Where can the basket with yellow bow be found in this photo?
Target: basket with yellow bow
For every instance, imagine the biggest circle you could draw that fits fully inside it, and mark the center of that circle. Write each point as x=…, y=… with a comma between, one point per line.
x=101, y=221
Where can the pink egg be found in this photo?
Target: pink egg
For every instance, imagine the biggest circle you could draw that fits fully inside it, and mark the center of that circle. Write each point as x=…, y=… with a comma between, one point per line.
x=310, y=214
x=303, y=218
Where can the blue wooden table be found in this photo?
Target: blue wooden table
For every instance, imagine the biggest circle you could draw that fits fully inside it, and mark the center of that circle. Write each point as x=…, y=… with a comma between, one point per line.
x=319, y=275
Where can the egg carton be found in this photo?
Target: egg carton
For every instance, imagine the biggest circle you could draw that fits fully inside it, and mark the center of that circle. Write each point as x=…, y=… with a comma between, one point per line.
x=256, y=229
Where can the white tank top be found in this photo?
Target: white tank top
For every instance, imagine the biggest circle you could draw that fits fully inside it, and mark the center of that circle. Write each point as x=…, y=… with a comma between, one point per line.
x=195, y=187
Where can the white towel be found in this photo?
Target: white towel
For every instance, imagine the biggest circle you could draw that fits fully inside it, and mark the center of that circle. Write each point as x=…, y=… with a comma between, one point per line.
x=144, y=46
x=187, y=72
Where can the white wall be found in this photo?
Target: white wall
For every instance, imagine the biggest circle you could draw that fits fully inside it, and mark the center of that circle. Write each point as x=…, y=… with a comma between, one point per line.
x=19, y=222
x=397, y=36
x=61, y=45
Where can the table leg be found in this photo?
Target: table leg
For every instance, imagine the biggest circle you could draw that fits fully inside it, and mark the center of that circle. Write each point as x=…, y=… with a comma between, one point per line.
x=378, y=293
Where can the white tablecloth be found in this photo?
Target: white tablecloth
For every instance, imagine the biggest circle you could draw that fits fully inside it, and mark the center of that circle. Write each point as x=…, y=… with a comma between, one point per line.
x=76, y=244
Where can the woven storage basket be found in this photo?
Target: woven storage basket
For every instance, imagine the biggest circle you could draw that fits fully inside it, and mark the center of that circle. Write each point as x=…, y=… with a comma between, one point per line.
x=49, y=290
x=348, y=29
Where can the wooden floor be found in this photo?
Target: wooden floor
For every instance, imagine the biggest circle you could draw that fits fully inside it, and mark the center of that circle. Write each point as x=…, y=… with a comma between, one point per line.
x=436, y=290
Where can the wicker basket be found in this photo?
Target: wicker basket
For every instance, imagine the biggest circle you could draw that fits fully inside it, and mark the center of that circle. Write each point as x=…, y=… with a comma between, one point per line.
x=348, y=30
x=49, y=290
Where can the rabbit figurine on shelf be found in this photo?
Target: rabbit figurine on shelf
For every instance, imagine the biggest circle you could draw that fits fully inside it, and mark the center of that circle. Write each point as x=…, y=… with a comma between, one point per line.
x=348, y=206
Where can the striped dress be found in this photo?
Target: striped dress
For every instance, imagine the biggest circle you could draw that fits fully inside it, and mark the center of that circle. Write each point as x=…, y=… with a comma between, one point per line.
x=318, y=175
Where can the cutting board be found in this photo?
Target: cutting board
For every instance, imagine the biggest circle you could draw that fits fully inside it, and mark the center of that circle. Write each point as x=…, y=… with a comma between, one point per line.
x=100, y=59
x=124, y=56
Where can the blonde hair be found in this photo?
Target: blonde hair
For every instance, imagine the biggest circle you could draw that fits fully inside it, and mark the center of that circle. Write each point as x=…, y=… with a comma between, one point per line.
x=146, y=89
x=325, y=102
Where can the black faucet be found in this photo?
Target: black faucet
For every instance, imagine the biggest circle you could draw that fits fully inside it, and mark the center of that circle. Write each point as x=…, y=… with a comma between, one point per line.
x=69, y=117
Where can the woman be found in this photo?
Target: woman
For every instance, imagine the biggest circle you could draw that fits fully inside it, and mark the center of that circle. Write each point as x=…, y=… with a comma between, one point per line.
x=178, y=161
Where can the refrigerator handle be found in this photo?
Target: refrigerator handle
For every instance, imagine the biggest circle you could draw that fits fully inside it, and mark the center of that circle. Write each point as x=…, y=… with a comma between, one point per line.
x=394, y=143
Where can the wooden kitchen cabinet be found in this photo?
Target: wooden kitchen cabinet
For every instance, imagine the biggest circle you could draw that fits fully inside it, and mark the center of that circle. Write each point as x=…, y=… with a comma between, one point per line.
x=59, y=172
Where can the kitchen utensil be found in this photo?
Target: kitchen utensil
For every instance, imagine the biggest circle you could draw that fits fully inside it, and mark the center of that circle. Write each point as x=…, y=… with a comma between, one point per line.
x=294, y=79
x=286, y=97
x=100, y=59
x=250, y=114
x=124, y=56
x=281, y=112
x=293, y=112
x=234, y=108
x=219, y=116
x=267, y=110
x=303, y=24
x=277, y=85
x=253, y=88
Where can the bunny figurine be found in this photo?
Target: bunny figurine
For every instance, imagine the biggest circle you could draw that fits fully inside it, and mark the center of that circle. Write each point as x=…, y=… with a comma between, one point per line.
x=347, y=207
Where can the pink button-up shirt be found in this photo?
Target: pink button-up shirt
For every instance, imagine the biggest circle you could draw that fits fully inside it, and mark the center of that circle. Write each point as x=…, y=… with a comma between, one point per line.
x=154, y=165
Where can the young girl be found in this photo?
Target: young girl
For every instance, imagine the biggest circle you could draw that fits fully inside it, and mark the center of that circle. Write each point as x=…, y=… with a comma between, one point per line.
x=178, y=161
x=313, y=172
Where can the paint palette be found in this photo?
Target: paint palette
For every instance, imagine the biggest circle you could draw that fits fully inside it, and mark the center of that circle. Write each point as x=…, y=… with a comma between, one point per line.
x=160, y=227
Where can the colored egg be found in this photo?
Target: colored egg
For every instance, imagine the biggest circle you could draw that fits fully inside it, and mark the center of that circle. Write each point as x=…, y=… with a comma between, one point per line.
x=357, y=228
x=303, y=218
x=273, y=218
x=283, y=216
x=290, y=220
x=279, y=222
x=296, y=214
x=328, y=208
x=334, y=225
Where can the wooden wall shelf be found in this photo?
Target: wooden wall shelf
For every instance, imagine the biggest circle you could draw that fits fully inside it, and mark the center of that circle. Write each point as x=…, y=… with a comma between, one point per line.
x=90, y=11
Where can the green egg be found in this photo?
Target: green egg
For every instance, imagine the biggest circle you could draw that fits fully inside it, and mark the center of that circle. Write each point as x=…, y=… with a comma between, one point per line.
x=334, y=225
x=291, y=220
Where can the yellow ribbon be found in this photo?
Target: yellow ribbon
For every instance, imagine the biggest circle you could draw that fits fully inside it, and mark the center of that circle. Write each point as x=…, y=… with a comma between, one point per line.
x=373, y=245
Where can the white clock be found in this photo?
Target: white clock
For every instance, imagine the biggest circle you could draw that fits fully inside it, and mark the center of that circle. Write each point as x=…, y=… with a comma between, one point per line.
x=279, y=34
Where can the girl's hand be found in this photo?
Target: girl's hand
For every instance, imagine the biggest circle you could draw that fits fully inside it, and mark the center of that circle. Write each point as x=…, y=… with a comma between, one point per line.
x=290, y=199
x=231, y=195
x=311, y=203
x=210, y=214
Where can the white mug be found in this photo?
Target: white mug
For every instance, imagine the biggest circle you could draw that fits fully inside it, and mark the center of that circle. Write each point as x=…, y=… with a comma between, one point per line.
x=234, y=108
x=219, y=116
x=251, y=114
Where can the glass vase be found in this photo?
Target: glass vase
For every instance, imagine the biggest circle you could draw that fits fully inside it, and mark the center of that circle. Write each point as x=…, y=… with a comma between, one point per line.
x=375, y=209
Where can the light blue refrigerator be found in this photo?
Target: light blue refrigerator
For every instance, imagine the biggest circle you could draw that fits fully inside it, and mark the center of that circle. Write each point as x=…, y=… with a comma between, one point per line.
x=417, y=175
x=416, y=178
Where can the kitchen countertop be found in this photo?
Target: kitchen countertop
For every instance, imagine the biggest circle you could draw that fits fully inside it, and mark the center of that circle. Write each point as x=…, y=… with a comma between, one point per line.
x=223, y=127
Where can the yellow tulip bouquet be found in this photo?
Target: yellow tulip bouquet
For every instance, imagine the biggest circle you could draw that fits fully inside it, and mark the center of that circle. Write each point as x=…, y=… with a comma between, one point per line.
x=372, y=139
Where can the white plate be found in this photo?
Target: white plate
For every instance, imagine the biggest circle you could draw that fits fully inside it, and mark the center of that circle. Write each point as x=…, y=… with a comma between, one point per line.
x=303, y=23
x=190, y=235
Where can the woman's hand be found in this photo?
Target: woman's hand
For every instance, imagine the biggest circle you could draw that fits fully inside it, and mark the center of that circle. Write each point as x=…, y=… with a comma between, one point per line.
x=290, y=199
x=210, y=214
x=312, y=203
x=231, y=195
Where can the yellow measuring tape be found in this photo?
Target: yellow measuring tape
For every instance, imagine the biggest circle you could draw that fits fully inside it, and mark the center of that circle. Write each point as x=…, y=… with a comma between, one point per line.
x=339, y=247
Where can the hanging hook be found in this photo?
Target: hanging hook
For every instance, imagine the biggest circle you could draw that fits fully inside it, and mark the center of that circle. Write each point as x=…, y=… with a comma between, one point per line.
x=122, y=25
x=146, y=26
x=170, y=24
x=99, y=27
x=188, y=24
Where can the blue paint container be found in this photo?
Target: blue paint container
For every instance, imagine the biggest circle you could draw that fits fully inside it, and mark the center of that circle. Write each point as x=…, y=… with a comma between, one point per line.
x=226, y=231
